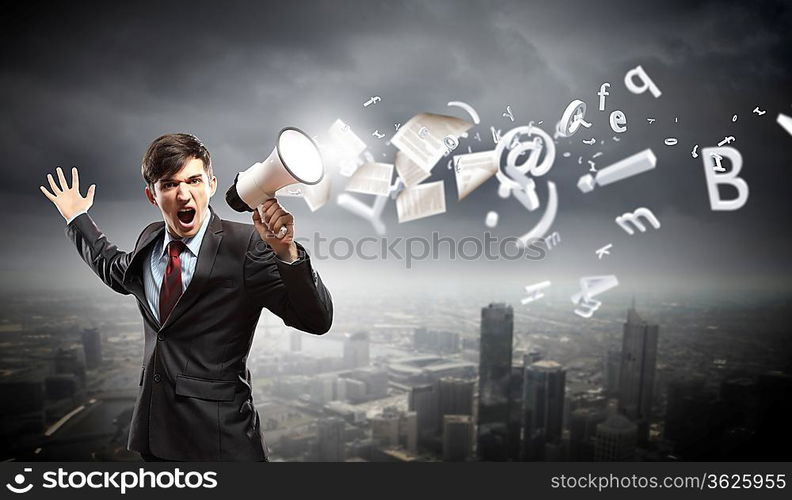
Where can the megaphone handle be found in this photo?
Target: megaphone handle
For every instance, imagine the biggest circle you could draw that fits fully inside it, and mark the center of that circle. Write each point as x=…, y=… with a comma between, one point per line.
x=283, y=230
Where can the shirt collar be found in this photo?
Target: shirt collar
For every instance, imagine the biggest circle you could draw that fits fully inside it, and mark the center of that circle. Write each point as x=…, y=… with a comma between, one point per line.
x=193, y=243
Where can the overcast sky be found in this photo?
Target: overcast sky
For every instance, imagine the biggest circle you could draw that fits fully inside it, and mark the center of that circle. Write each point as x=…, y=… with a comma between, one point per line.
x=92, y=86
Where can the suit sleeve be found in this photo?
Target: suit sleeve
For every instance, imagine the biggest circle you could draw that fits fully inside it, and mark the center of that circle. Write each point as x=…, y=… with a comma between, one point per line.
x=104, y=258
x=294, y=292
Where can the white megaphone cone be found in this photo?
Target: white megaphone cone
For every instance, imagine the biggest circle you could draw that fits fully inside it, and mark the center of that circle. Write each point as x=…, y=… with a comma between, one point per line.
x=295, y=159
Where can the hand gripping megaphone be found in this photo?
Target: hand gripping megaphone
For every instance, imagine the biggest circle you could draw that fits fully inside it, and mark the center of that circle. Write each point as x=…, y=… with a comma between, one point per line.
x=295, y=159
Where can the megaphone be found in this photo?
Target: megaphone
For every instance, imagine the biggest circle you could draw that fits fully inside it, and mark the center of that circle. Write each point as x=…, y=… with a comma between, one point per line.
x=295, y=159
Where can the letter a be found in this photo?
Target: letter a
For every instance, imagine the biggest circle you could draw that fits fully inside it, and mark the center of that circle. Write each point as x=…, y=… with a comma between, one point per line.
x=730, y=177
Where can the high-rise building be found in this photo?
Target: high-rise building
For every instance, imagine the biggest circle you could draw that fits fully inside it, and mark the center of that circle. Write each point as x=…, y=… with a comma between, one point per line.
x=331, y=439
x=457, y=438
x=363, y=384
x=92, y=345
x=611, y=366
x=70, y=361
x=740, y=396
x=615, y=440
x=435, y=341
x=455, y=396
x=21, y=406
x=394, y=428
x=515, y=411
x=686, y=409
x=351, y=390
x=582, y=430
x=532, y=357
x=637, y=371
x=423, y=401
x=408, y=431
x=322, y=388
x=495, y=368
x=543, y=407
x=385, y=429
x=356, y=350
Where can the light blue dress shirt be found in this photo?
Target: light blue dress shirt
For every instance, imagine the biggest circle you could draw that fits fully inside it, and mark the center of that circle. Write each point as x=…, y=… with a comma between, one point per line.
x=158, y=261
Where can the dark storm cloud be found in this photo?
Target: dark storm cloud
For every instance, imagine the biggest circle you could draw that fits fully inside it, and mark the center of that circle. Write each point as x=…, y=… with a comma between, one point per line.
x=93, y=85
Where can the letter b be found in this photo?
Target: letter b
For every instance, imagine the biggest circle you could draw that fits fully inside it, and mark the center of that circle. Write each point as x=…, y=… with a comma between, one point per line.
x=730, y=177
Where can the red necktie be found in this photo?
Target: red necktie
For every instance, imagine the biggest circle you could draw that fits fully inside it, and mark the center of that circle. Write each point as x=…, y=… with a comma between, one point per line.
x=171, y=288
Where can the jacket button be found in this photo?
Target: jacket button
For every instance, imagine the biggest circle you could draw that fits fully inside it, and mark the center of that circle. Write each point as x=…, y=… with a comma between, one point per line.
x=160, y=337
x=157, y=378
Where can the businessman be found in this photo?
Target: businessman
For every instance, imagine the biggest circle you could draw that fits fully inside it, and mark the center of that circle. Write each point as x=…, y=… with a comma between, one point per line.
x=200, y=284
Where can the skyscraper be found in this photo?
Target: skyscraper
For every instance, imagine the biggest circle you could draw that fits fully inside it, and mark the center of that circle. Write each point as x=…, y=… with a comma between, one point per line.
x=356, y=350
x=582, y=429
x=69, y=361
x=385, y=429
x=686, y=411
x=532, y=357
x=615, y=440
x=637, y=371
x=611, y=366
x=331, y=440
x=495, y=366
x=92, y=345
x=409, y=431
x=516, y=410
x=457, y=438
x=543, y=407
x=423, y=401
x=455, y=396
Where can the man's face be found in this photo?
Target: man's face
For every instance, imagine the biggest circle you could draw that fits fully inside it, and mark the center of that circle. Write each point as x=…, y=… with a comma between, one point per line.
x=183, y=198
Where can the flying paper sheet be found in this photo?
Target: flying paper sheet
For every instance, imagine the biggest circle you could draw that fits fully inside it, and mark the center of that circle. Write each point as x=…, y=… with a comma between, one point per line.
x=345, y=140
x=421, y=201
x=318, y=194
x=421, y=138
x=409, y=171
x=472, y=170
x=371, y=178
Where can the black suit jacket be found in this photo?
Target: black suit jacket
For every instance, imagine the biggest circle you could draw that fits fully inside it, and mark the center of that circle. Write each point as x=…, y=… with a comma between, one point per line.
x=195, y=401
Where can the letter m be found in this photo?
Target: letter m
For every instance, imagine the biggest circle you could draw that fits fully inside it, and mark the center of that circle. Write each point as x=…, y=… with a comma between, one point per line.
x=634, y=218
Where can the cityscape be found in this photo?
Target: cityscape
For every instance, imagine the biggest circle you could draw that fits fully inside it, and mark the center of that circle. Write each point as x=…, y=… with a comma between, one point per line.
x=449, y=378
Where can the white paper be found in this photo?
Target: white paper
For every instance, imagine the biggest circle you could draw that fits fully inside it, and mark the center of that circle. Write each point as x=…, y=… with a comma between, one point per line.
x=426, y=147
x=345, y=140
x=317, y=195
x=409, y=171
x=472, y=170
x=421, y=201
x=371, y=178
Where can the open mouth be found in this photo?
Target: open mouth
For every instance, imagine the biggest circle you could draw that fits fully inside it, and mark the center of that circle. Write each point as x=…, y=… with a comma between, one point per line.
x=186, y=216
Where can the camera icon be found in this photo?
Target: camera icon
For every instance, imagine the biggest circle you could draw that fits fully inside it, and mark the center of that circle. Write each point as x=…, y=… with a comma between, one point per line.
x=19, y=479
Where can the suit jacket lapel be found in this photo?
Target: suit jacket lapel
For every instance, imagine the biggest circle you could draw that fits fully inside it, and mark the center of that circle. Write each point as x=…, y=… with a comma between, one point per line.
x=133, y=276
x=203, y=269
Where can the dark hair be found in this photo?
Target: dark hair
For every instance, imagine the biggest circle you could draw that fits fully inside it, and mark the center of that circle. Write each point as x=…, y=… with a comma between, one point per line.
x=167, y=154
